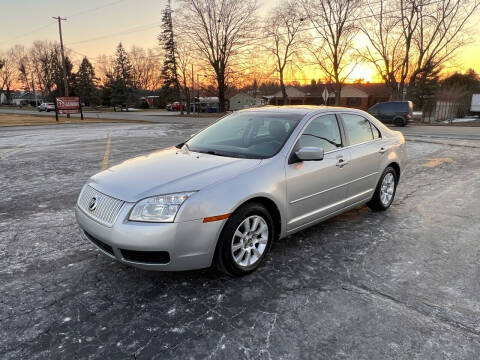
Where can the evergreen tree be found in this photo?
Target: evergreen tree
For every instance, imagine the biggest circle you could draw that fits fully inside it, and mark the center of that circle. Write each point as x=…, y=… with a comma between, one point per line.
x=171, y=85
x=423, y=87
x=84, y=84
x=58, y=80
x=121, y=81
x=470, y=81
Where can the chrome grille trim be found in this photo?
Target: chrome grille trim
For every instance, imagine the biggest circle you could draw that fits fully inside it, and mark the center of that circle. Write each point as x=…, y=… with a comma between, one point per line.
x=107, y=206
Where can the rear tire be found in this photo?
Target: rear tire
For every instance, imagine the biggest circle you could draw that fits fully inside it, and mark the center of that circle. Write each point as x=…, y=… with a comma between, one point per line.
x=399, y=121
x=385, y=190
x=245, y=240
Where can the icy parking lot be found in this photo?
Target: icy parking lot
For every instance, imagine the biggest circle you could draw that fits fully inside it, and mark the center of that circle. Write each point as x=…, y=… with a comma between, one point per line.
x=363, y=285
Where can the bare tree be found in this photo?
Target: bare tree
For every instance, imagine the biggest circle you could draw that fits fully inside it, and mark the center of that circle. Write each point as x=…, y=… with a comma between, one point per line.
x=409, y=40
x=184, y=69
x=283, y=32
x=104, y=68
x=220, y=29
x=390, y=30
x=8, y=73
x=440, y=34
x=145, y=69
x=335, y=30
x=20, y=55
x=45, y=59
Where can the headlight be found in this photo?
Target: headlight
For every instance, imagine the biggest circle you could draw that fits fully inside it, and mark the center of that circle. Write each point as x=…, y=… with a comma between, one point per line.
x=161, y=208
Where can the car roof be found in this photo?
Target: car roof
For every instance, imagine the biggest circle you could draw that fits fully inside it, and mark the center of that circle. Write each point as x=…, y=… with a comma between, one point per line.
x=297, y=109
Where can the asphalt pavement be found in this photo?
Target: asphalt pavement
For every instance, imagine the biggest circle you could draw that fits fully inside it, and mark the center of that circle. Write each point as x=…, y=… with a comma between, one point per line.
x=401, y=284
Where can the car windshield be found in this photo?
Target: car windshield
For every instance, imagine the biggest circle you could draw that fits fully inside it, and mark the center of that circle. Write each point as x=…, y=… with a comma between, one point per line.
x=254, y=135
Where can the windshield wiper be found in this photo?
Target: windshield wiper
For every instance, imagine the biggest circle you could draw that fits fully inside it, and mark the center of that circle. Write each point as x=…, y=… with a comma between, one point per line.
x=211, y=152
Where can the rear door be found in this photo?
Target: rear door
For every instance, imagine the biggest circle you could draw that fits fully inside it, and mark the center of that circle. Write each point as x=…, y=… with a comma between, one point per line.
x=365, y=151
x=317, y=188
x=390, y=109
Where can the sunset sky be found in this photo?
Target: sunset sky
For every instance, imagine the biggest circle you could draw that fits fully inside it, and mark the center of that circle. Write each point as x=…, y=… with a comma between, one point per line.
x=96, y=26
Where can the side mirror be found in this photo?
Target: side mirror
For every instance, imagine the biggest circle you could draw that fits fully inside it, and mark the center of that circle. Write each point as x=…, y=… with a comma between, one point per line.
x=310, y=153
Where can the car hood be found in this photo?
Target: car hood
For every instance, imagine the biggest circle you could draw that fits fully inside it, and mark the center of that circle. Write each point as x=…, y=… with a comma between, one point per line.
x=167, y=171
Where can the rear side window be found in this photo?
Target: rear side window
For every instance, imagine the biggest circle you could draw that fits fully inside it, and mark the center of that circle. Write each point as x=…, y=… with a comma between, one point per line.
x=358, y=128
x=376, y=132
x=322, y=132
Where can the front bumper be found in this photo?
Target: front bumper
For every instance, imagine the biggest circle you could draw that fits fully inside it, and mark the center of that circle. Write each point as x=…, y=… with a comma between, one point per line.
x=190, y=244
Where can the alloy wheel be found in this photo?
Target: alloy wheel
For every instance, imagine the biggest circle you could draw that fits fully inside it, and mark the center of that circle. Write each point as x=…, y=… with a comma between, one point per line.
x=387, y=189
x=249, y=241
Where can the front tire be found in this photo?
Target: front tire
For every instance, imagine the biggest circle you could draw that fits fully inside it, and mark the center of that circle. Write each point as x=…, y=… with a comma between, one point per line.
x=245, y=240
x=385, y=190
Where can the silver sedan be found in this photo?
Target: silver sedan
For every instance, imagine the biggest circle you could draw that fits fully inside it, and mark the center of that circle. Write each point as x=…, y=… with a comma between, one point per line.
x=225, y=195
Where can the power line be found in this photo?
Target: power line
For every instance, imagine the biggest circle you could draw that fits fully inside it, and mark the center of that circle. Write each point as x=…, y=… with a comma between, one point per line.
x=29, y=32
x=148, y=26
x=95, y=8
x=82, y=12
x=388, y=12
x=127, y=31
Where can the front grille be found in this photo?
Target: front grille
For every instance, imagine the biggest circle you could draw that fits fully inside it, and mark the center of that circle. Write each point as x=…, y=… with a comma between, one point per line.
x=148, y=257
x=105, y=247
x=107, y=207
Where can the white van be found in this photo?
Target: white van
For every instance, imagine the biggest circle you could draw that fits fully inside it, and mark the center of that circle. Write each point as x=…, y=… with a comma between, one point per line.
x=475, y=107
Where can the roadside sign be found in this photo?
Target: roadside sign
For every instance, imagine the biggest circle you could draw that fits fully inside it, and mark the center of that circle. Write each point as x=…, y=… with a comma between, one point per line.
x=325, y=95
x=68, y=105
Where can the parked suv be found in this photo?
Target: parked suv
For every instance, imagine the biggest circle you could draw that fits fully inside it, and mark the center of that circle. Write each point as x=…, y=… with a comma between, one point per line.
x=393, y=112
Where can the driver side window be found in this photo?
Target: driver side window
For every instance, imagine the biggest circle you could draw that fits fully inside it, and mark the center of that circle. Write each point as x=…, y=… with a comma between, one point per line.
x=322, y=132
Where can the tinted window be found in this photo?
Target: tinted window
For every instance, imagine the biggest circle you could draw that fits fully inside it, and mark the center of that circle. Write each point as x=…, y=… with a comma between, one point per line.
x=375, y=108
x=395, y=107
x=357, y=128
x=322, y=132
x=246, y=135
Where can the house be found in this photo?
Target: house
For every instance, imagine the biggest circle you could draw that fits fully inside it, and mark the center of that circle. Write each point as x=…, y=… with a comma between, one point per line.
x=363, y=96
x=359, y=96
x=294, y=97
x=241, y=101
x=3, y=98
x=26, y=98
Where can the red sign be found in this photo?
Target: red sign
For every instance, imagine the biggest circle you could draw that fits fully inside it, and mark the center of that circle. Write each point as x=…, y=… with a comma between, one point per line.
x=68, y=105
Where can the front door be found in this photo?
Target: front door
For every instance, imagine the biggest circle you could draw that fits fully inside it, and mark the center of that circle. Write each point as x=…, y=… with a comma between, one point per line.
x=316, y=189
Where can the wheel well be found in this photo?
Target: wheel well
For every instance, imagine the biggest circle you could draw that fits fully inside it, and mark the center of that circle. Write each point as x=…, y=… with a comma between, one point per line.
x=272, y=208
x=396, y=167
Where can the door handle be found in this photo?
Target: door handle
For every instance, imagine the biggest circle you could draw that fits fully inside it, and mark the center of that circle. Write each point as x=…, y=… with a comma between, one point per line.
x=341, y=163
x=382, y=150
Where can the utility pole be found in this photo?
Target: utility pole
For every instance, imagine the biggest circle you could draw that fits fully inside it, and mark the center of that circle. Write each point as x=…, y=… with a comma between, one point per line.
x=33, y=89
x=198, y=94
x=60, y=19
x=192, y=97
